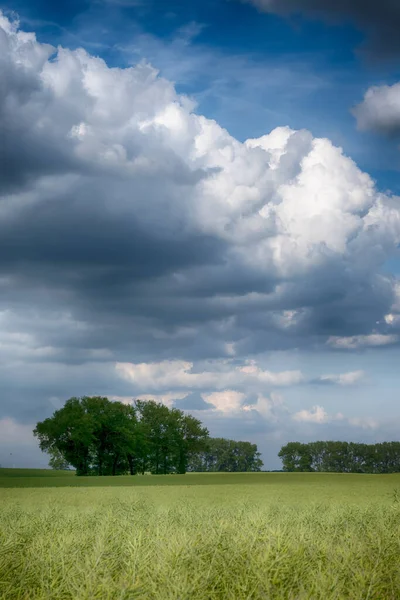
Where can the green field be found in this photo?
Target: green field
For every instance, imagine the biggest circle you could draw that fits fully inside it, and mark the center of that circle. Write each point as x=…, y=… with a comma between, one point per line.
x=199, y=536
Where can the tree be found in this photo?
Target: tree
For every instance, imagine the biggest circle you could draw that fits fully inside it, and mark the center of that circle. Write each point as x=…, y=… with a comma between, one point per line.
x=114, y=428
x=296, y=457
x=155, y=432
x=248, y=457
x=341, y=457
x=318, y=452
x=191, y=439
x=169, y=437
x=70, y=432
x=220, y=454
x=92, y=434
x=100, y=437
x=57, y=460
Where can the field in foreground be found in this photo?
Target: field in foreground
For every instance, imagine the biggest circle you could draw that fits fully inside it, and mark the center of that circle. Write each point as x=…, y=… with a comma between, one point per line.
x=277, y=536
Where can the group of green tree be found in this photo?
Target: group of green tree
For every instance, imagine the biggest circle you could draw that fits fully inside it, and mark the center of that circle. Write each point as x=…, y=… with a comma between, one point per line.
x=97, y=436
x=221, y=454
x=341, y=457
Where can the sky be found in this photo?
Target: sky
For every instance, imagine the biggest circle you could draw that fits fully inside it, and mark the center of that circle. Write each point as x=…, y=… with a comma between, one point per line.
x=200, y=204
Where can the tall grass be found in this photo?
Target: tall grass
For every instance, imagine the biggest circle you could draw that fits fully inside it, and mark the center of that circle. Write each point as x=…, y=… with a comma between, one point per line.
x=196, y=543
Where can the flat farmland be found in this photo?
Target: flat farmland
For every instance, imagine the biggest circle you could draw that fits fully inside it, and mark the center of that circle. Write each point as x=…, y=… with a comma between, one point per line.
x=199, y=536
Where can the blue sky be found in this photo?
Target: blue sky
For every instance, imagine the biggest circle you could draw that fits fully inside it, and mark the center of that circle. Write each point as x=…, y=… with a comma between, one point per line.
x=324, y=306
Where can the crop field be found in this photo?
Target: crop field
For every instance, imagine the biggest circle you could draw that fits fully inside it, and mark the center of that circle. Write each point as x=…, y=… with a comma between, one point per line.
x=209, y=536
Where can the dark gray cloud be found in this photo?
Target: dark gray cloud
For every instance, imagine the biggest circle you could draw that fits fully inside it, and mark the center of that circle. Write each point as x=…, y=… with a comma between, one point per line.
x=380, y=111
x=380, y=21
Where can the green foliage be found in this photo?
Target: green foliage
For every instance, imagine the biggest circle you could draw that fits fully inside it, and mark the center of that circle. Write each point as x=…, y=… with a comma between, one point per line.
x=298, y=536
x=341, y=457
x=220, y=454
x=57, y=460
x=71, y=432
x=100, y=437
x=168, y=438
x=114, y=435
x=296, y=457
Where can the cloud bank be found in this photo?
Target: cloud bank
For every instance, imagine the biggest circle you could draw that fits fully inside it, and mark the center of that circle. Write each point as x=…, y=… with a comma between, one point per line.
x=219, y=375
x=122, y=207
x=136, y=232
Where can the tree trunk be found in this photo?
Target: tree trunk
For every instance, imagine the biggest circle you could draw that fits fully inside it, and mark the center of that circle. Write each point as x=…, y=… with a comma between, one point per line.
x=182, y=462
x=165, y=464
x=115, y=462
x=85, y=465
x=131, y=461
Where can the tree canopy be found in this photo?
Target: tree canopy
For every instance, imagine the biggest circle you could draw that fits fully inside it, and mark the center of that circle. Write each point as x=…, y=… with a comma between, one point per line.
x=98, y=436
x=220, y=454
x=341, y=457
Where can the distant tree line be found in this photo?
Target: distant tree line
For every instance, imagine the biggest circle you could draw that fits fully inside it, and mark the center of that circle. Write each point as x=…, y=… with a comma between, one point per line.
x=341, y=457
x=221, y=454
x=100, y=437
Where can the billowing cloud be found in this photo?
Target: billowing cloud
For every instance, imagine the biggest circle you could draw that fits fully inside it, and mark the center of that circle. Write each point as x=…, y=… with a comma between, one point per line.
x=316, y=415
x=133, y=213
x=380, y=110
x=271, y=407
x=234, y=391
x=227, y=401
x=319, y=416
x=220, y=375
x=274, y=413
x=136, y=232
x=379, y=20
x=179, y=374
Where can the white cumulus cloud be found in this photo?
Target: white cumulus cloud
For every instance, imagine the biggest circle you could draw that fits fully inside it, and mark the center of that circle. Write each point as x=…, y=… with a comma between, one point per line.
x=316, y=415
x=227, y=401
x=179, y=374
